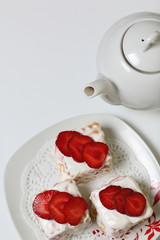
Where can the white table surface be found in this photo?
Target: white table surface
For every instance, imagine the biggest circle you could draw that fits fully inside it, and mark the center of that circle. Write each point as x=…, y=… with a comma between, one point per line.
x=47, y=55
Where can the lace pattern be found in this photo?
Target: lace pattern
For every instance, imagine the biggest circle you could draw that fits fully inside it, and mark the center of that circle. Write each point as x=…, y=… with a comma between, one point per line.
x=42, y=173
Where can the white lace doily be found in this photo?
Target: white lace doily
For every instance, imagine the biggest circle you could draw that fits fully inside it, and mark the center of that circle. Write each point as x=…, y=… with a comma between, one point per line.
x=42, y=173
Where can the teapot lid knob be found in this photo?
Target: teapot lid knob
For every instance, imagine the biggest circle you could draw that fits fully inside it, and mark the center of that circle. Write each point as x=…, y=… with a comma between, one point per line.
x=141, y=46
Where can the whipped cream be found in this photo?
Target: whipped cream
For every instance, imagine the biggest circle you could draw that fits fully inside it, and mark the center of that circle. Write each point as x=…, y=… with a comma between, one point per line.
x=54, y=230
x=111, y=221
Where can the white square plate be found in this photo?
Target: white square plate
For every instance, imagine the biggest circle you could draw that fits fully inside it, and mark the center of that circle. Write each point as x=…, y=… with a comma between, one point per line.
x=131, y=157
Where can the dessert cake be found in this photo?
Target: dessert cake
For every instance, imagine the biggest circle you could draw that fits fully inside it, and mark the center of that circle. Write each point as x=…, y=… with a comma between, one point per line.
x=83, y=153
x=61, y=211
x=119, y=205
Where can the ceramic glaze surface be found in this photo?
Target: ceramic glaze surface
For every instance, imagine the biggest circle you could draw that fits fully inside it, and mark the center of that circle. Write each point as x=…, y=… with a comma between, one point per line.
x=128, y=59
x=141, y=46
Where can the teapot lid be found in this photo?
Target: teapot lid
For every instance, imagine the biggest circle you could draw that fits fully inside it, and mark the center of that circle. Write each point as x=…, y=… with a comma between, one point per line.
x=141, y=46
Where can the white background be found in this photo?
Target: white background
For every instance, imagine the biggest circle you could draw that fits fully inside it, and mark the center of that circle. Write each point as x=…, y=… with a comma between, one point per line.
x=47, y=55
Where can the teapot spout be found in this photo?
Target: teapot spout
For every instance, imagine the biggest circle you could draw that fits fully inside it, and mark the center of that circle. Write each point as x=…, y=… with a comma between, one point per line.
x=105, y=88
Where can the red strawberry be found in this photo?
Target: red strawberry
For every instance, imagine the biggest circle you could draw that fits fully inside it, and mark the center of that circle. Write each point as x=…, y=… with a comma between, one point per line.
x=74, y=210
x=76, y=145
x=94, y=154
x=62, y=141
x=119, y=199
x=107, y=196
x=135, y=204
x=56, y=206
x=40, y=204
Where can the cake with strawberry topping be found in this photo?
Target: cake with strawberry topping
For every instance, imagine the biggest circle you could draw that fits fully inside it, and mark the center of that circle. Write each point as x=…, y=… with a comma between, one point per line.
x=83, y=153
x=61, y=211
x=119, y=205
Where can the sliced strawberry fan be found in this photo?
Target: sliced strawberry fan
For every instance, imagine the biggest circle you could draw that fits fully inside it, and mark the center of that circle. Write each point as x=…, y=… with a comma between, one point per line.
x=82, y=148
x=60, y=206
x=124, y=200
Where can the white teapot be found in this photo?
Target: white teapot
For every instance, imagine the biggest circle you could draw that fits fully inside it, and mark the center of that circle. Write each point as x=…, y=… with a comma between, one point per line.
x=128, y=63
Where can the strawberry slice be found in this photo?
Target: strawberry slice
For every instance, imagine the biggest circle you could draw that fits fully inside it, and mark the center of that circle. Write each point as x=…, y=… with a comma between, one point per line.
x=40, y=204
x=76, y=145
x=94, y=154
x=135, y=204
x=74, y=210
x=62, y=141
x=56, y=206
x=107, y=196
x=119, y=199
